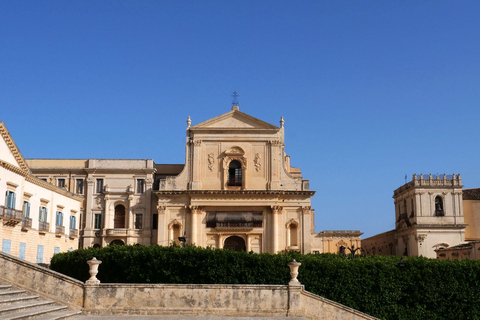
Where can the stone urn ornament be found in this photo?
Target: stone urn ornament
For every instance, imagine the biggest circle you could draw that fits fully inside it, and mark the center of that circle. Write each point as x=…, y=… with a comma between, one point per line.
x=93, y=271
x=294, y=265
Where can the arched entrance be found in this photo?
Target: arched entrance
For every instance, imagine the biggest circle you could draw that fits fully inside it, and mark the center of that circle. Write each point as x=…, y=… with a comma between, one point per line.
x=235, y=243
x=119, y=218
x=117, y=243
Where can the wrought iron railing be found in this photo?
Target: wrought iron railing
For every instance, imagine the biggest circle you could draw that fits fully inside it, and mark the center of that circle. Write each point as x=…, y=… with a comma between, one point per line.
x=9, y=213
x=43, y=226
x=27, y=222
x=73, y=233
x=59, y=229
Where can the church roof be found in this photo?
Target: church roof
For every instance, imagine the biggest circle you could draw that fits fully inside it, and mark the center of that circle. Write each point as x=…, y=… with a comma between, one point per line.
x=234, y=119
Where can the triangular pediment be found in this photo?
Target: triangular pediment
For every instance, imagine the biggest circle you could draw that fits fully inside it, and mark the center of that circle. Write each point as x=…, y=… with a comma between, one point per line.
x=9, y=150
x=234, y=119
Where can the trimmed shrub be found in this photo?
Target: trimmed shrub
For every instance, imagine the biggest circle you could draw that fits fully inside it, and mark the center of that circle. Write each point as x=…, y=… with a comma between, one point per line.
x=423, y=289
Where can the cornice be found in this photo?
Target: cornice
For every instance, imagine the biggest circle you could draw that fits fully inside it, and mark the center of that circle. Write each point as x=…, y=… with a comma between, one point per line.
x=235, y=192
x=13, y=147
x=38, y=182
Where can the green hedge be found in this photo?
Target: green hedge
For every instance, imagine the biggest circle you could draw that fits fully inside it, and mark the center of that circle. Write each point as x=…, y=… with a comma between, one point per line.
x=424, y=289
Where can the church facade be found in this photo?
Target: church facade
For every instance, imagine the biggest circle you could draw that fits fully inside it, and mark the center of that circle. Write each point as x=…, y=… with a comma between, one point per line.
x=236, y=190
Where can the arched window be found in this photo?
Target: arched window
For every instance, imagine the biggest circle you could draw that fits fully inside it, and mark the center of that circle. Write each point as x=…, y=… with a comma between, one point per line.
x=119, y=218
x=235, y=174
x=439, y=207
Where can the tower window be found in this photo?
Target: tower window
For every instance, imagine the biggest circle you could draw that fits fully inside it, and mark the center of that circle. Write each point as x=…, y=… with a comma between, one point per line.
x=235, y=173
x=439, y=207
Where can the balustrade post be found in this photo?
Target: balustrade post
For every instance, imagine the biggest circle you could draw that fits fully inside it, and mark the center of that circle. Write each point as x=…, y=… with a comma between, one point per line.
x=93, y=264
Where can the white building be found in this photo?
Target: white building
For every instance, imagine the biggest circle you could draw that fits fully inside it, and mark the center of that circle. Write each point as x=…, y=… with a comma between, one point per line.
x=38, y=219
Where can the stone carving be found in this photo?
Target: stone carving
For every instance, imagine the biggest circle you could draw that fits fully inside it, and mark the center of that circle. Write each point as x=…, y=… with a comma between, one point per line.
x=420, y=238
x=99, y=202
x=256, y=160
x=211, y=161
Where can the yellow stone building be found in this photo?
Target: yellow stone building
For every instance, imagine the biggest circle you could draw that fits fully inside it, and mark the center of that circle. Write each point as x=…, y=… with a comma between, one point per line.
x=236, y=190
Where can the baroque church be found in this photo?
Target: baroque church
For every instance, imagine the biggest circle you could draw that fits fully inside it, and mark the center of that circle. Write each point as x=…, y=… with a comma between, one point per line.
x=236, y=190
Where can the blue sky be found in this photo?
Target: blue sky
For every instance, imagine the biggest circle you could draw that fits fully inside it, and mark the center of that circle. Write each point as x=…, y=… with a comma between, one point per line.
x=370, y=90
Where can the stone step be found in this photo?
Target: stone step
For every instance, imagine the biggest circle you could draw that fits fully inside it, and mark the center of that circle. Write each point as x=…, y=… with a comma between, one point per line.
x=20, y=306
x=5, y=286
x=7, y=300
x=11, y=292
x=35, y=313
x=59, y=315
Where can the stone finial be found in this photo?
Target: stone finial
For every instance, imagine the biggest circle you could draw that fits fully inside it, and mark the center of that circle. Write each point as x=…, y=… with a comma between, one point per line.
x=282, y=122
x=93, y=264
x=414, y=176
x=189, y=122
x=294, y=265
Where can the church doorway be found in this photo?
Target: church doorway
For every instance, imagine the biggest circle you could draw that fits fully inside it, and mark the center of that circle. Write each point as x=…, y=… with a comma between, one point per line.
x=235, y=243
x=117, y=242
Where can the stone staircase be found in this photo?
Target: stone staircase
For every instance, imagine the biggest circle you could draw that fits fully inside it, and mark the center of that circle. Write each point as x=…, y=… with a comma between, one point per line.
x=18, y=304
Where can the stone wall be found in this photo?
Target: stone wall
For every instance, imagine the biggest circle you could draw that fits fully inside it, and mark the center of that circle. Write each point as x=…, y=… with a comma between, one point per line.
x=42, y=281
x=172, y=299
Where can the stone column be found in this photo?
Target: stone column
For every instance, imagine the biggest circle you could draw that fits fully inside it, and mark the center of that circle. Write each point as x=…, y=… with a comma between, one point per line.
x=194, y=210
x=129, y=213
x=88, y=210
x=305, y=229
x=162, y=228
x=196, y=164
x=275, y=211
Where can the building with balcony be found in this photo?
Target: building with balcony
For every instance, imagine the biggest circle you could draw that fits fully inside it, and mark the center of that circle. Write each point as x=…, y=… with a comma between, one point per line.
x=236, y=190
x=32, y=210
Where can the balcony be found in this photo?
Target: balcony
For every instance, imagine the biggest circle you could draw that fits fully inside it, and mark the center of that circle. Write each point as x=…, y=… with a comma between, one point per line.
x=119, y=232
x=43, y=226
x=59, y=230
x=73, y=233
x=10, y=216
x=26, y=223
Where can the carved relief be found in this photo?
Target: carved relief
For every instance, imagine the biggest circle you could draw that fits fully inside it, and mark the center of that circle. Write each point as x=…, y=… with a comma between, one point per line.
x=98, y=201
x=341, y=243
x=277, y=209
x=420, y=238
x=211, y=161
x=161, y=209
x=257, y=162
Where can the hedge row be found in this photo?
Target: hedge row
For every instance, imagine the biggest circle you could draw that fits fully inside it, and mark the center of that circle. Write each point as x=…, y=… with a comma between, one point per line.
x=423, y=289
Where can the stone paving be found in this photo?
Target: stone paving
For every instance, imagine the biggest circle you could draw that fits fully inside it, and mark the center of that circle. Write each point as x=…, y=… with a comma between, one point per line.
x=181, y=318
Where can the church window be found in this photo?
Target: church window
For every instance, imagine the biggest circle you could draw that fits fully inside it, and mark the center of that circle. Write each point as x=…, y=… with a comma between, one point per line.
x=99, y=185
x=138, y=221
x=439, y=207
x=235, y=173
x=155, y=221
x=140, y=185
x=79, y=186
x=97, y=223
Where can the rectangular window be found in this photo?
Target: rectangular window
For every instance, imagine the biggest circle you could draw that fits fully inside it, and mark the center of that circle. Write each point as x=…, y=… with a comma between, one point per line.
x=21, y=252
x=97, y=223
x=10, y=199
x=73, y=222
x=155, y=221
x=99, y=185
x=140, y=185
x=42, y=214
x=138, y=220
x=61, y=183
x=59, y=219
x=56, y=250
x=79, y=186
x=40, y=253
x=6, y=244
x=26, y=209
